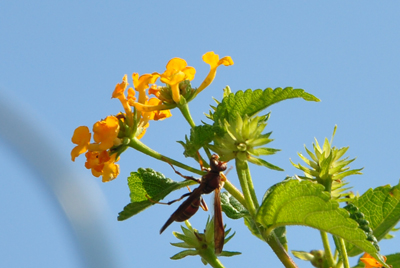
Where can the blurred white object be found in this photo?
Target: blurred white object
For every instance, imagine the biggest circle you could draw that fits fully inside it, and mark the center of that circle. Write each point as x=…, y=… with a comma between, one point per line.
x=80, y=199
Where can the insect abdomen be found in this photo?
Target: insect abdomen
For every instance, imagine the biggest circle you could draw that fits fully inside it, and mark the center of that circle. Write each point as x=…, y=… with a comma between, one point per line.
x=189, y=211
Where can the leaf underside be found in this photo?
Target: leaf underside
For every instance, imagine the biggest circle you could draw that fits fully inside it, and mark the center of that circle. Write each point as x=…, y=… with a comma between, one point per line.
x=145, y=184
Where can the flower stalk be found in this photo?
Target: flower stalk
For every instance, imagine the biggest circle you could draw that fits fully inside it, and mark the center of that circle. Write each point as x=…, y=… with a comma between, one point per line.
x=246, y=183
x=327, y=248
x=184, y=108
x=342, y=251
x=141, y=147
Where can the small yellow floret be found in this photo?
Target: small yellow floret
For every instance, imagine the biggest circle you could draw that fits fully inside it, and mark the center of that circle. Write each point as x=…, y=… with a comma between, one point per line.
x=213, y=60
x=176, y=72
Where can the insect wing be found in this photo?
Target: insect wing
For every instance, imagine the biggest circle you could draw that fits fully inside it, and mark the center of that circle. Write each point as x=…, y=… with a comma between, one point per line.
x=219, y=232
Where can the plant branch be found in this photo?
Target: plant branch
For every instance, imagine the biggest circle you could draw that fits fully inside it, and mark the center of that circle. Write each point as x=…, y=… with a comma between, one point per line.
x=141, y=147
x=342, y=251
x=277, y=247
x=243, y=172
x=327, y=248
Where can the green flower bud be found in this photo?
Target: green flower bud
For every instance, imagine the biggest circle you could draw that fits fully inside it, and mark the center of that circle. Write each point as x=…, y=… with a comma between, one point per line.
x=243, y=139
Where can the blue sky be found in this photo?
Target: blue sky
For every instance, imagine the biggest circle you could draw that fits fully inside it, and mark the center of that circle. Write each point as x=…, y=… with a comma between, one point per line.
x=60, y=61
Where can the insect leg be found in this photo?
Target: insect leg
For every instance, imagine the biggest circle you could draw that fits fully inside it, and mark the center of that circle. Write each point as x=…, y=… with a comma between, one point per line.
x=183, y=176
x=170, y=202
x=203, y=204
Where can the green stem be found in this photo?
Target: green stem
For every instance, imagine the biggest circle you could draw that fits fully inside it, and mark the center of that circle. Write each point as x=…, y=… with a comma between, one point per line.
x=277, y=247
x=209, y=255
x=342, y=251
x=327, y=248
x=207, y=152
x=184, y=108
x=186, y=113
x=339, y=264
x=243, y=171
x=251, y=203
x=141, y=147
x=336, y=255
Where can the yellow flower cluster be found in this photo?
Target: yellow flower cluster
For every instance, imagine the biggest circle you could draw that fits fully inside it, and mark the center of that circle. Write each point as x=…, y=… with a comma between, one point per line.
x=176, y=72
x=107, y=134
x=98, y=158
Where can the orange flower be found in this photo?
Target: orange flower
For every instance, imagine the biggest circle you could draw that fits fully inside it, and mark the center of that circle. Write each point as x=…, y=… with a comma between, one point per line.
x=155, y=90
x=110, y=170
x=81, y=137
x=177, y=71
x=370, y=262
x=131, y=95
x=119, y=93
x=158, y=114
x=213, y=60
x=102, y=164
x=105, y=133
x=97, y=155
x=142, y=83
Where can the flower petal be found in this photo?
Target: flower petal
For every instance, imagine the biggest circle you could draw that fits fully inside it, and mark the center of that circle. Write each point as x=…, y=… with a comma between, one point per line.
x=105, y=132
x=176, y=64
x=81, y=137
x=213, y=60
x=120, y=88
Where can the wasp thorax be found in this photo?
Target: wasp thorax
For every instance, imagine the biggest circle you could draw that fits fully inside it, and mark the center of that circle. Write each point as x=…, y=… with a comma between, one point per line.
x=216, y=164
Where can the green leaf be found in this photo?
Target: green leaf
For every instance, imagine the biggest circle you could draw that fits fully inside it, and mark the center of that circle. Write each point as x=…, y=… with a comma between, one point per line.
x=232, y=208
x=145, y=184
x=229, y=253
x=263, y=151
x=381, y=207
x=251, y=101
x=302, y=255
x=181, y=245
x=185, y=253
x=294, y=202
x=261, y=162
x=200, y=136
x=394, y=260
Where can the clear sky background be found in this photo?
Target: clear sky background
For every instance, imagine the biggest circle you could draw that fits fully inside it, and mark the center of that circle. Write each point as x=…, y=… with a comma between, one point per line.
x=60, y=62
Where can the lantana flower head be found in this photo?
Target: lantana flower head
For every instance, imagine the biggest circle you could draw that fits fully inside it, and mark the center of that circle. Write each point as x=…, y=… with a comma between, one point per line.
x=103, y=153
x=112, y=135
x=98, y=157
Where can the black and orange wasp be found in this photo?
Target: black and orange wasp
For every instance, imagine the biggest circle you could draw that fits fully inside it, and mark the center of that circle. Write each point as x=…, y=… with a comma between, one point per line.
x=209, y=182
